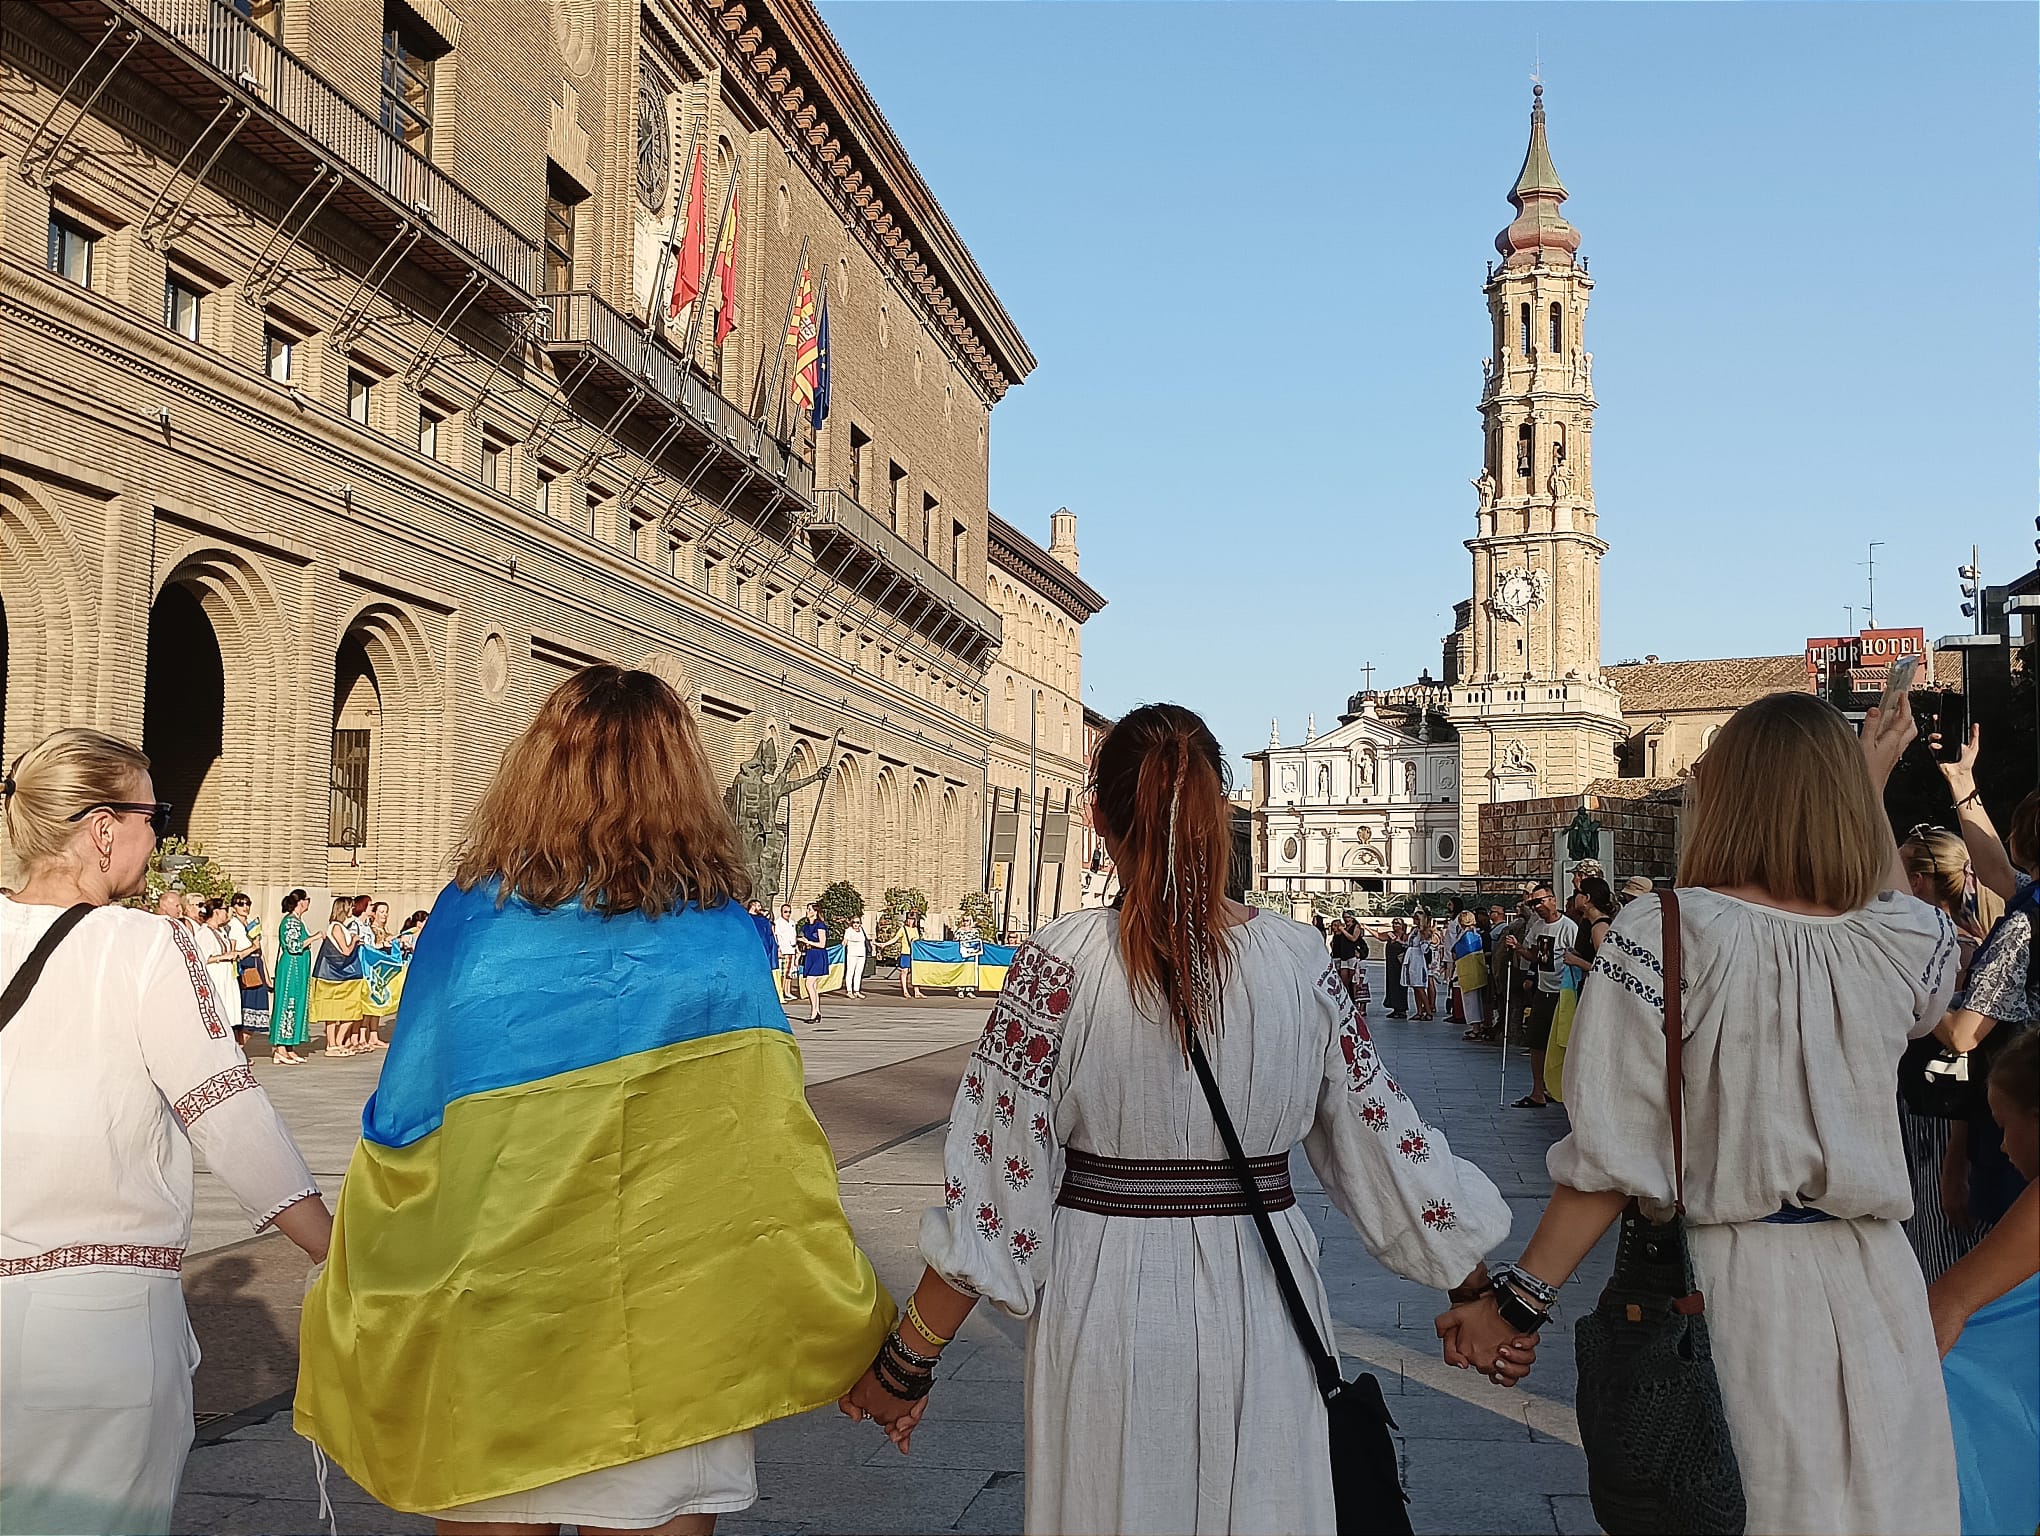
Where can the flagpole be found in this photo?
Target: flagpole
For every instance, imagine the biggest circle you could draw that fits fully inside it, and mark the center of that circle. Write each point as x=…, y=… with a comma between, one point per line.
x=708, y=270
x=814, y=430
x=765, y=389
x=673, y=230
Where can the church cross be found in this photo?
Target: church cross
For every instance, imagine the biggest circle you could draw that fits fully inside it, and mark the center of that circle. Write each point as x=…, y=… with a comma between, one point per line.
x=1368, y=672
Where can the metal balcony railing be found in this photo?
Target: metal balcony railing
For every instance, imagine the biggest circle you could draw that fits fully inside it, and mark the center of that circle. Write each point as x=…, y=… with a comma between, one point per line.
x=216, y=32
x=837, y=509
x=582, y=319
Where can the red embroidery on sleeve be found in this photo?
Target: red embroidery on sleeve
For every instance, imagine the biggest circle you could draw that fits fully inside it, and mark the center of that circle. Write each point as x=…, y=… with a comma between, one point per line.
x=201, y=983
x=1438, y=1216
x=1018, y=1173
x=1025, y=1242
x=989, y=1221
x=216, y=1089
x=1024, y=1034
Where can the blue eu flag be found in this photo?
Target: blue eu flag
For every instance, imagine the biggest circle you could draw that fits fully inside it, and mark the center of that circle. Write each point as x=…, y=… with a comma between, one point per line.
x=819, y=411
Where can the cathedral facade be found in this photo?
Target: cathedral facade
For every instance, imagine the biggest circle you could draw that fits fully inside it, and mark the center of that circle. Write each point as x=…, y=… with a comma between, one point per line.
x=1524, y=710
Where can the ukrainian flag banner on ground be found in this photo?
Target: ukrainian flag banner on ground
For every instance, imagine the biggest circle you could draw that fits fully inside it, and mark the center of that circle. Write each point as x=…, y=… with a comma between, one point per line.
x=590, y=1219
x=941, y=963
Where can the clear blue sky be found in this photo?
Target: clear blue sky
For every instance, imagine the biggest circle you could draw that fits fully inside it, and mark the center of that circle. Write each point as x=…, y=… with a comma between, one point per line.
x=1246, y=242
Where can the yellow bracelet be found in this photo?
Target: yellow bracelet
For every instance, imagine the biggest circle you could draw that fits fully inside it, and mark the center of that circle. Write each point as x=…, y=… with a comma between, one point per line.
x=914, y=1317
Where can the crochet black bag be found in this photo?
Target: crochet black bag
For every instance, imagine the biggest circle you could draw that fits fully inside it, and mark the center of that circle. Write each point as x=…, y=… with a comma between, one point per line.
x=1366, y=1480
x=1659, y=1456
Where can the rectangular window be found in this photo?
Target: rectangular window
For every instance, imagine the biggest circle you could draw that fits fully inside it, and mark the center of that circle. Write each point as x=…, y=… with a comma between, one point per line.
x=495, y=463
x=347, y=818
x=860, y=448
x=428, y=431
x=634, y=536
x=799, y=624
x=593, y=510
x=541, y=495
x=677, y=562
x=407, y=55
x=180, y=306
x=931, y=516
x=360, y=397
x=711, y=573
x=562, y=197
x=896, y=491
x=279, y=349
x=769, y=607
x=742, y=594
x=957, y=534
x=70, y=253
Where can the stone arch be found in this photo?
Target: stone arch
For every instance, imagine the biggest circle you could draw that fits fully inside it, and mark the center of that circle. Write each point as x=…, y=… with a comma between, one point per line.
x=385, y=683
x=920, y=851
x=882, y=866
x=45, y=620
x=214, y=711
x=838, y=849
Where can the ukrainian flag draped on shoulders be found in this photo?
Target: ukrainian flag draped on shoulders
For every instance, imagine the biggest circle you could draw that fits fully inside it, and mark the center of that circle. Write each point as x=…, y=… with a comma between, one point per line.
x=591, y=1217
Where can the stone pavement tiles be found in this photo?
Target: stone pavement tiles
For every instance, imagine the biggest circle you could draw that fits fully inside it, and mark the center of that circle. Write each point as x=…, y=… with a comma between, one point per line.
x=1476, y=1458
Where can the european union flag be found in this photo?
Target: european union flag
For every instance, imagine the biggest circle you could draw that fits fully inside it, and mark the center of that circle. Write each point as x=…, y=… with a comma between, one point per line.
x=818, y=412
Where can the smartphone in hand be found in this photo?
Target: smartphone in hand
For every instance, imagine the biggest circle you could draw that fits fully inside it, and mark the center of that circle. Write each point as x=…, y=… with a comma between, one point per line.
x=1898, y=681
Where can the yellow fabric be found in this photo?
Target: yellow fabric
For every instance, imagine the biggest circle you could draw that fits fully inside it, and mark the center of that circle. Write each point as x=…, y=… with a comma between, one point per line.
x=1472, y=971
x=1561, y=1036
x=337, y=1002
x=959, y=973
x=583, y=1271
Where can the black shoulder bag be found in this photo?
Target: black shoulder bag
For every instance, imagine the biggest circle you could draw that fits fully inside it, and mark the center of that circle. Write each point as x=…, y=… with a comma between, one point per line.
x=1659, y=1457
x=32, y=967
x=1365, y=1482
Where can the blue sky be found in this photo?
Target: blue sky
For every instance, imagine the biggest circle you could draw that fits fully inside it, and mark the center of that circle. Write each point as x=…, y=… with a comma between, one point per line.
x=1246, y=243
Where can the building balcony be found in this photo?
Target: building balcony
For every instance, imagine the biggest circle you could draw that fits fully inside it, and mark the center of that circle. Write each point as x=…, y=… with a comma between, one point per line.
x=916, y=588
x=604, y=349
x=210, y=59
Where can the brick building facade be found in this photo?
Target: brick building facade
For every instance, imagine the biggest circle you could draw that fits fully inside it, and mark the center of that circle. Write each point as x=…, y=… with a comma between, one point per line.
x=343, y=417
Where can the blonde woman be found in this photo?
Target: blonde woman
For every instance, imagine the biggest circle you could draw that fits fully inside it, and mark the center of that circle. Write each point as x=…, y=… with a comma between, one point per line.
x=1807, y=966
x=119, y=1063
x=336, y=981
x=625, y=1202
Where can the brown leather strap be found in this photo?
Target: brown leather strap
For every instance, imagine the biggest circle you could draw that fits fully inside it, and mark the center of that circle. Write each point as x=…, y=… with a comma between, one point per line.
x=1675, y=1045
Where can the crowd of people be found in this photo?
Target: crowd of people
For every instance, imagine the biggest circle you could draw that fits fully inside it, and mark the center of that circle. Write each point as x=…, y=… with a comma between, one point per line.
x=626, y=1203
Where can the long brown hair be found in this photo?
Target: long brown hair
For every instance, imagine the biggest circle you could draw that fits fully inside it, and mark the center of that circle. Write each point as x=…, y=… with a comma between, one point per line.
x=1782, y=801
x=606, y=799
x=1159, y=782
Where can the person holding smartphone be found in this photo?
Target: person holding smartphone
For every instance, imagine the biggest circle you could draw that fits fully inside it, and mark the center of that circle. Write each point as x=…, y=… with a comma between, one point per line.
x=1547, y=936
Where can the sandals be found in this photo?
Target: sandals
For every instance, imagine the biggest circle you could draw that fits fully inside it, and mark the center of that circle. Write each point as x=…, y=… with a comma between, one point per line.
x=1527, y=1102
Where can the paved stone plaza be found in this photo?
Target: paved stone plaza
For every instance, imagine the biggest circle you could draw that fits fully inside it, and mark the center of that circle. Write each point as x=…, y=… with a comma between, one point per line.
x=1476, y=1457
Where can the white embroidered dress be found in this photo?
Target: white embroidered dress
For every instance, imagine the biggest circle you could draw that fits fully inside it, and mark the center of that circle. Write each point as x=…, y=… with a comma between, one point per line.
x=1821, y=1336
x=122, y=1059
x=1166, y=1391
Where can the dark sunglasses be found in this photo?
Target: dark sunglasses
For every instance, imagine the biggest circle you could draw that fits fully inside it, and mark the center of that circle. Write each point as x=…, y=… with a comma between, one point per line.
x=158, y=812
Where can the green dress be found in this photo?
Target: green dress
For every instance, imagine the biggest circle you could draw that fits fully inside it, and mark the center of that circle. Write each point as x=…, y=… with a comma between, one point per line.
x=290, y=1014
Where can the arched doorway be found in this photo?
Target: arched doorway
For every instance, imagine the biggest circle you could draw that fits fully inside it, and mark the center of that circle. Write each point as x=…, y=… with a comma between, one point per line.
x=184, y=713
x=385, y=723
x=356, y=787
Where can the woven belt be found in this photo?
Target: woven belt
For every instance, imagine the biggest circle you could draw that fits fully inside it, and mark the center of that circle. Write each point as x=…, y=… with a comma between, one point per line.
x=1124, y=1186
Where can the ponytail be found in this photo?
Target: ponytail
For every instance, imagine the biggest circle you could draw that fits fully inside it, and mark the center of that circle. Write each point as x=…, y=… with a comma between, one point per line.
x=1160, y=784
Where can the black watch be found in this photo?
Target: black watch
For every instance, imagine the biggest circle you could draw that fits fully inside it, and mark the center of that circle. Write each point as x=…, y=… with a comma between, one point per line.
x=1517, y=1312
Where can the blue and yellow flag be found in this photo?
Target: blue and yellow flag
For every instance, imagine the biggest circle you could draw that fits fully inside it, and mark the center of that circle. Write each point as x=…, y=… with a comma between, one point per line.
x=943, y=963
x=382, y=978
x=591, y=1217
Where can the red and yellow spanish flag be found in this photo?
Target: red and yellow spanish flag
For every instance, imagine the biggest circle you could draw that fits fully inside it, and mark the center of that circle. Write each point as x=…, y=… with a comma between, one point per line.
x=688, y=258
x=805, y=341
x=726, y=273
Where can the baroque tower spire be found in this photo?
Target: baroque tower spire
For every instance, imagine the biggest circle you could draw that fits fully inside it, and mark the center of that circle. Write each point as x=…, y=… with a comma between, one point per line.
x=1535, y=717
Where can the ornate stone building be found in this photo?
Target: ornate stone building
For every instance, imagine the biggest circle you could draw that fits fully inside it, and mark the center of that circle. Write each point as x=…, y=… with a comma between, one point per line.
x=341, y=417
x=1042, y=604
x=1535, y=716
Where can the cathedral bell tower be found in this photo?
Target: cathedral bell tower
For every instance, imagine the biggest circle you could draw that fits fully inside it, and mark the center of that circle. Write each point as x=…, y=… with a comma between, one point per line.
x=1535, y=717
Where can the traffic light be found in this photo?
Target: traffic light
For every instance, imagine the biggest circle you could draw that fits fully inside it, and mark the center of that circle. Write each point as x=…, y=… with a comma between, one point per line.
x=1969, y=586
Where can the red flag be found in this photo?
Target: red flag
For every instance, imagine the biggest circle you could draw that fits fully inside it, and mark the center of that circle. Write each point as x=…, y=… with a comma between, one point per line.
x=801, y=336
x=726, y=273
x=687, y=270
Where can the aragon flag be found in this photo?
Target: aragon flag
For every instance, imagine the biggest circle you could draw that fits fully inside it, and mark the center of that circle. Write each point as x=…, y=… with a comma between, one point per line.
x=726, y=273
x=802, y=336
x=688, y=263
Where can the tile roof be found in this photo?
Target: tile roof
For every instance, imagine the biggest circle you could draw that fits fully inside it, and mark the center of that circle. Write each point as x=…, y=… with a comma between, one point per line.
x=1728, y=682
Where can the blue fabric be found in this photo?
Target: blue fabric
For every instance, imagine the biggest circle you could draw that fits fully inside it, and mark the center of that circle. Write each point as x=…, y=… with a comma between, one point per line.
x=1795, y=1216
x=819, y=411
x=330, y=965
x=814, y=962
x=379, y=968
x=1469, y=942
x=767, y=937
x=949, y=951
x=1993, y=1377
x=495, y=998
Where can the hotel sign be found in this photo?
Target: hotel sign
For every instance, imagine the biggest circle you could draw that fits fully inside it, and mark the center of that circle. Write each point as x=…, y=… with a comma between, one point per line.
x=1872, y=651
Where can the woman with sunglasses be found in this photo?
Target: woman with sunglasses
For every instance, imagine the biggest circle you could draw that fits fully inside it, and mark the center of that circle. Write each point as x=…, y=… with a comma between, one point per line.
x=117, y=1059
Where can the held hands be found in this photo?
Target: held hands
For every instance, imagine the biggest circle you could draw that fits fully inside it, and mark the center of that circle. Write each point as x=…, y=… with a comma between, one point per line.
x=869, y=1400
x=1475, y=1336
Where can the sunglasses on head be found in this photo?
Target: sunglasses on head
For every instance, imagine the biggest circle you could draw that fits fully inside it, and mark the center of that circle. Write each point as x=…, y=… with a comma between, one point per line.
x=158, y=812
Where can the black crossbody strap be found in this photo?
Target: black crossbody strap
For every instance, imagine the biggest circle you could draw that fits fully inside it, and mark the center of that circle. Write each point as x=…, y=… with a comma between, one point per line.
x=32, y=967
x=1327, y=1368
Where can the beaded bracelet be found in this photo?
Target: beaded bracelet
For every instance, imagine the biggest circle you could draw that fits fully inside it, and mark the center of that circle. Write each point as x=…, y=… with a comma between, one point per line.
x=1527, y=1283
x=913, y=1356
x=897, y=1375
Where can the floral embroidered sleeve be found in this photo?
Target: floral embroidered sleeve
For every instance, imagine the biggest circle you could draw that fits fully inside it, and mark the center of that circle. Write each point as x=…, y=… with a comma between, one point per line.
x=1427, y=1215
x=1002, y=1162
x=295, y=938
x=187, y=1042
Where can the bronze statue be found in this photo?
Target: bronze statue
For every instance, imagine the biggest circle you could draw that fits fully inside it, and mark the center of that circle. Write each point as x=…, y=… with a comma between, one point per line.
x=1583, y=837
x=753, y=800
